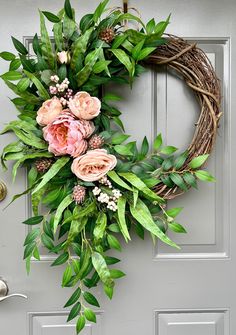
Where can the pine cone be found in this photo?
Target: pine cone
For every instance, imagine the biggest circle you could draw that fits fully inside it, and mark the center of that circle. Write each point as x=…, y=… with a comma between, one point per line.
x=107, y=35
x=79, y=194
x=43, y=164
x=95, y=142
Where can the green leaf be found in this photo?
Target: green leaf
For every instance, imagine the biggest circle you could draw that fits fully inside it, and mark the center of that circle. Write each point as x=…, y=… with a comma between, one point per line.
x=99, y=10
x=34, y=220
x=63, y=205
x=36, y=253
x=180, y=160
x=74, y=311
x=33, y=234
x=58, y=36
x=176, y=227
x=86, y=22
x=66, y=276
x=178, y=180
x=51, y=17
x=29, y=249
x=137, y=49
x=142, y=214
x=30, y=98
x=75, y=296
x=118, y=121
x=198, y=161
x=115, y=274
x=32, y=176
x=15, y=64
x=61, y=259
x=68, y=9
x=119, y=39
x=173, y=212
x=100, y=266
x=135, y=196
x=36, y=45
x=204, y=176
x=47, y=241
x=145, y=53
x=129, y=17
x=140, y=185
x=69, y=27
x=168, y=150
x=111, y=260
x=46, y=46
x=25, y=132
x=83, y=75
x=100, y=226
x=119, y=138
x=27, y=64
x=144, y=147
x=157, y=142
x=111, y=97
x=54, y=169
x=167, y=164
x=11, y=75
x=8, y=56
x=43, y=93
x=90, y=315
x=150, y=26
x=124, y=59
x=19, y=46
x=113, y=242
x=23, y=84
x=79, y=48
x=108, y=291
x=80, y=324
x=161, y=26
x=90, y=298
x=101, y=66
x=123, y=150
x=190, y=179
x=121, y=204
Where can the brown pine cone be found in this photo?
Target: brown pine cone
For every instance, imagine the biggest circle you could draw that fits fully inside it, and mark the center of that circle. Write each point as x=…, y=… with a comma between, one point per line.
x=43, y=164
x=79, y=193
x=107, y=35
x=95, y=142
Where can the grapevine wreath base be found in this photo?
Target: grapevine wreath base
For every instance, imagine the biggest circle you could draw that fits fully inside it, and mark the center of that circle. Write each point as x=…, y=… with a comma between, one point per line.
x=95, y=184
x=195, y=68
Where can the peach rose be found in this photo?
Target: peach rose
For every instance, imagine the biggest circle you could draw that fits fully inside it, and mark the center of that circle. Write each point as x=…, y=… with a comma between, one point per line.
x=66, y=135
x=84, y=106
x=93, y=165
x=49, y=111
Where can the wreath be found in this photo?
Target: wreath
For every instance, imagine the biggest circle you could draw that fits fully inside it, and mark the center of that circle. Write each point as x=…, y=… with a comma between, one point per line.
x=95, y=184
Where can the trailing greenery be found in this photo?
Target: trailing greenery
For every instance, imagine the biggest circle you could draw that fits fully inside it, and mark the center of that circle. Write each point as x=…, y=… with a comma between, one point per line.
x=81, y=234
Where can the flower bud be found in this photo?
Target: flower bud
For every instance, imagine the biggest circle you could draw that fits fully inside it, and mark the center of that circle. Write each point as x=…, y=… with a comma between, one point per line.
x=63, y=57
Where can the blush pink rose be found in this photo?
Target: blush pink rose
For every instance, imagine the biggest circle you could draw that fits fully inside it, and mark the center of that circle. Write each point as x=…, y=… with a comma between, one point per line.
x=93, y=165
x=84, y=106
x=63, y=57
x=66, y=135
x=49, y=111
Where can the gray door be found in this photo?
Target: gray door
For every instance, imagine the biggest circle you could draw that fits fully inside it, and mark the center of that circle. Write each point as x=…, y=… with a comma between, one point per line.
x=191, y=291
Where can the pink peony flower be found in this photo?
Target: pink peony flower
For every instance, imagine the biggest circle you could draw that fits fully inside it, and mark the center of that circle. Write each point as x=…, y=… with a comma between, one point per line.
x=84, y=106
x=93, y=165
x=49, y=111
x=66, y=135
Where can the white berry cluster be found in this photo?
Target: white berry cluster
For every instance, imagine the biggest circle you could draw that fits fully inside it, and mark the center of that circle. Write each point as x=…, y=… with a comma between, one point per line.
x=104, y=198
x=59, y=87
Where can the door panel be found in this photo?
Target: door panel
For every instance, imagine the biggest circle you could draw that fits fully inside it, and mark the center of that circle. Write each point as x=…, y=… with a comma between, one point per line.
x=184, y=292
